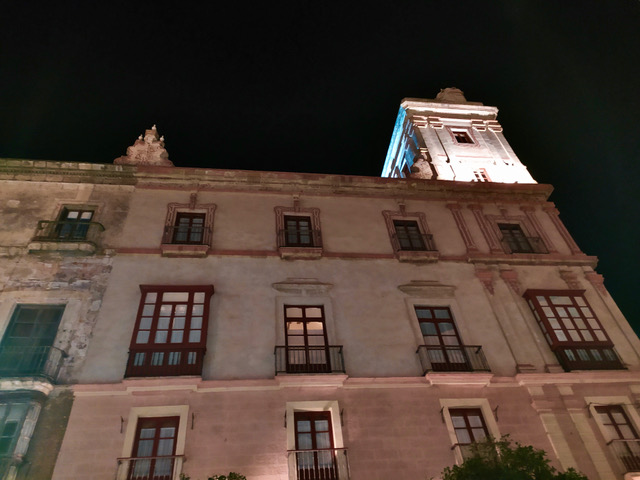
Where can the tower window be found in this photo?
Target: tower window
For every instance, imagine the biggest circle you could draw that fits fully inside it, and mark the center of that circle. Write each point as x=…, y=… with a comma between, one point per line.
x=461, y=136
x=481, y=175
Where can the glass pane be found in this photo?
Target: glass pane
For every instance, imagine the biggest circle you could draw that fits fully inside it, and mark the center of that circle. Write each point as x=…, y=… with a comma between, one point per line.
x=560, y=335
x=548, y=312
x=314, y=312
x=197, y=310
x=194, y=336
x=175, y=296
x=196, y=323
x=147, y=432
x=304, y=441
x=314, y=328
x=165, y=446
x=148, y=310
x=554, y=323
x=178, y=323
x=165, y=310
x=145, y=448
x=586, y=312
x=600, y=335
x=586, y=334
x=157, y=358
x=580, y=323
x=442, y=313
x=303, y=426
x=294, y=327
x=562, y=312
x=542, y=301
x=475, y=421
x=294, y=312
x=423, y=313
x=86, y=215
x=145, y=323
x=142, y=337
x=574, y=335
x=161, y=336
x=458, y=421
x=560, y=300
x=447, y=328
x=181, y=310
x=323, y=440
x=176, y=336
x=478, y=434
x=163, y=323
x=428, y=328
x=151, y=297
x=198, y=297
x=463, y=436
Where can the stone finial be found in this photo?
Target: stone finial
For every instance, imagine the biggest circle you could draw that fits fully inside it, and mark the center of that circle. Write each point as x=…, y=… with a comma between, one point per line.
x=451, y=95
x=146, y=150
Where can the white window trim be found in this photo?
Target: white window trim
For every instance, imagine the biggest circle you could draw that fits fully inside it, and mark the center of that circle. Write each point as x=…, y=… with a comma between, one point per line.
x=331, y=406
x=451, y=303
x=618, y=401
x=487, y=415
x=135, y=413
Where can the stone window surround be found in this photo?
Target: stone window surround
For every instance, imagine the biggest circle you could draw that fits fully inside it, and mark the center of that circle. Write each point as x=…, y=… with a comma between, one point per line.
x=331, y=406
x=135, y=413
x=526, y=225
x=620, y=401
x=292, y=301
x=421, y=219
x=301, y=252
x=168, y=248
x=487, y=415
x=451, y=129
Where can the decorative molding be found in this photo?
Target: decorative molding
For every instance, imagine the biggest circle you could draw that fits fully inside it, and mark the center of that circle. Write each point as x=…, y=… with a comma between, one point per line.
x=298, y=253
x=428, y=289
x=302, y=286
x=597, y=281
x=462, y=227
x=489, y=235
x=486, y=278
x=420, y=218
x=571, y=279
x=147, y=150
x=566, y=236
x=529, y=211
x=510, y=277
x=470, y=379
x=169, y=249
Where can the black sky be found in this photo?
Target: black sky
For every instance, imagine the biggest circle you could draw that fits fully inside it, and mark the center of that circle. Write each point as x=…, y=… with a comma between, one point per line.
x=315, y=87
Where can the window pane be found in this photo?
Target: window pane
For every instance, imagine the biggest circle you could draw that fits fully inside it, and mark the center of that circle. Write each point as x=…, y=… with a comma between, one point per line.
x=198, y=297
x=294, y=312
x=196, y=323
x=163, y=323
x=148, y=310
x=314, y=312
x=161, y=336
x=178, y=323
x=142, y=337
x=151, y=297
x=194, y=336
x=181, y=310
x=145, y=323
x=175, y=296
x=176, y=336
x=423, y=313
x=560, y=300
x=197, y=310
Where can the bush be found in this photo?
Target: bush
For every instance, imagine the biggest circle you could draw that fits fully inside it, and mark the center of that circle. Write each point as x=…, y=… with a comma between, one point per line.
x=500, y=460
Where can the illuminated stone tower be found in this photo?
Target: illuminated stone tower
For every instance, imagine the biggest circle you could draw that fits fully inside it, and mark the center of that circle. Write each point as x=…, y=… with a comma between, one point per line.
x=449, y=138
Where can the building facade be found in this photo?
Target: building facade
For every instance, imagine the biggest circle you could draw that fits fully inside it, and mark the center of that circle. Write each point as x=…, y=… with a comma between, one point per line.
x=305, y=326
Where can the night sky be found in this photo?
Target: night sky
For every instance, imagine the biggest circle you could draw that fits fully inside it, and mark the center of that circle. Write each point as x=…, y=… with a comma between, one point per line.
x=315, y=87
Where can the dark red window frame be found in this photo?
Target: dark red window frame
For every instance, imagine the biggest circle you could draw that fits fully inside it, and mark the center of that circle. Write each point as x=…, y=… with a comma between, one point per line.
x=320, y=462
x=298, y=231
x=572, y=329
x=189, y=228
x=409, y=235
x=470, y=428
x=462, y=137
x=150, y=465
x=312, y=355
x=164, y=319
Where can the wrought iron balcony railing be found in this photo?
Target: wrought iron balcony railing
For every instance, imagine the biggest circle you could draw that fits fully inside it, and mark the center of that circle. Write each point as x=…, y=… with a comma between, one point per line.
x=452, y=358
x=65, y=231
x=42, y=362
x=588, y=358
x=168, y=467
x=183, y=235
x=524, y=245
x=166, y=362
x=316, y=359
x=321, y=464
x=299, y=238
x=628, y=453
x=416, y=242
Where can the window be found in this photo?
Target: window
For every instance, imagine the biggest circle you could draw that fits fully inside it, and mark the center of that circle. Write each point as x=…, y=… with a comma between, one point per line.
x=189, y=228
x=461, y=136
x=73, y=223
x=443, y=351
x=154, y=449
x=410, y=237
x=170, y=332
x=27, y=346
x=12, y=417
x=513, y=237
x=572, y=329
x=298, y=231
x=307, y=349
x=469, y=427
x=315, y=455
x=481, y=175
x=621, y=434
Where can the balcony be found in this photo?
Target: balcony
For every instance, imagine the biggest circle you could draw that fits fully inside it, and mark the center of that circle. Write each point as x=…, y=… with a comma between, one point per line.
x=72, y=238
x=452, y=358
x=322, y=464
x=415, y=247
x=588, y=358
x=170, y=362
x=183, y=241
x=299, y=244
x=627, y=452
x=41, y=362
x=168, y=467
x=523, y=245
x=318, y=359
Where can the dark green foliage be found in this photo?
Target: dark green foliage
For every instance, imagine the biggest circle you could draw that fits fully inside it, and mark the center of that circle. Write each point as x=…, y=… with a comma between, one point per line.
x=231, y=476
x=500, y=460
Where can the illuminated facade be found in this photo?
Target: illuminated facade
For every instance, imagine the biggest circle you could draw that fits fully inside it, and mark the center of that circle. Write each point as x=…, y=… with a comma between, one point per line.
x=303, y=326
